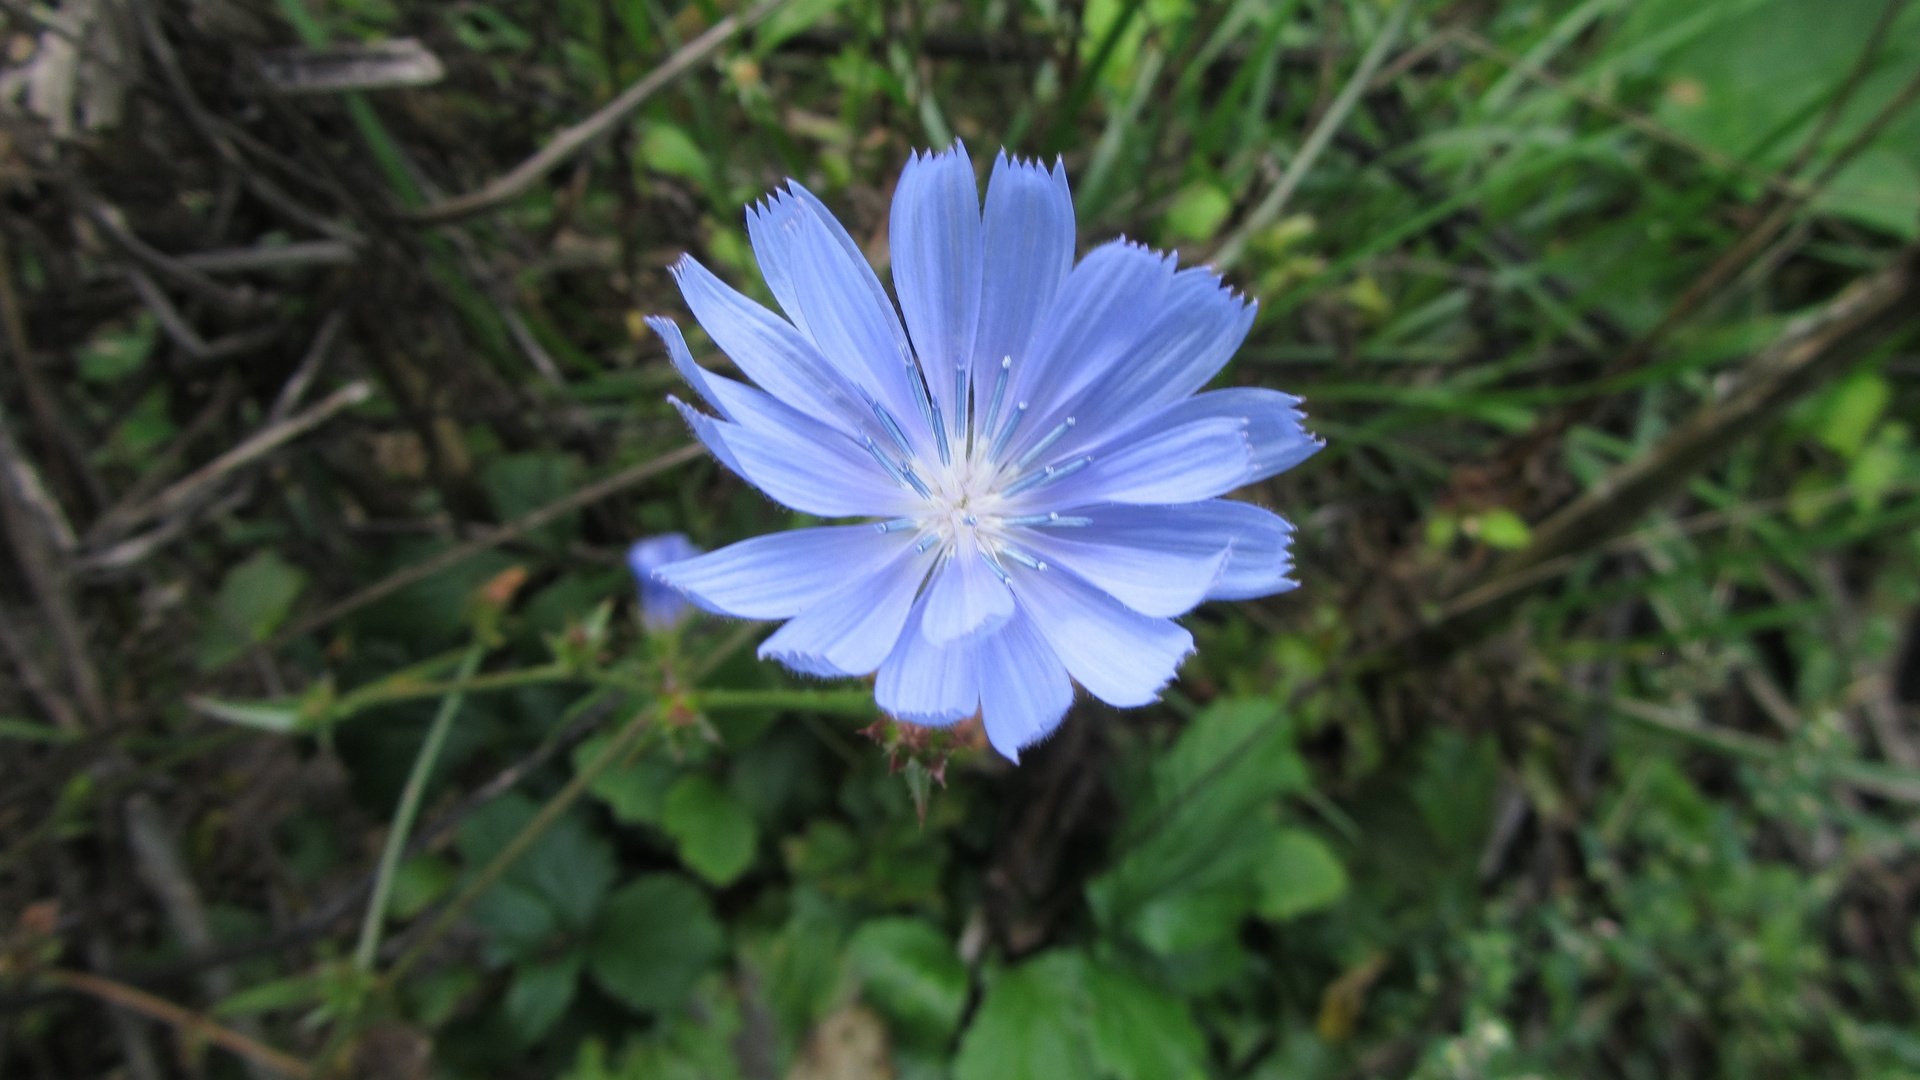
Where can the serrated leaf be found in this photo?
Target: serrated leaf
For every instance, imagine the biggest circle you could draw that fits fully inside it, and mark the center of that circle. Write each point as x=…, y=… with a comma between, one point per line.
x=912, y=973
x=711, y=829
x=655, y=938
x=635, y=791
x=1300, y=875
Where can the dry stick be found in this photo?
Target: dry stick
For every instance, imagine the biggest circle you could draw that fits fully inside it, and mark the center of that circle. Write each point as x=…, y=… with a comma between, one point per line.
x=190, y=1024
x=192, y=488
x=491, y=538
x=1724, y=269
x=1815, y=348
x=586, y=133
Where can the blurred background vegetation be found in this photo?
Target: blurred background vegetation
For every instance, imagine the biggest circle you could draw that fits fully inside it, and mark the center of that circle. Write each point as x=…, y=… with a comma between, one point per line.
x=330, y=743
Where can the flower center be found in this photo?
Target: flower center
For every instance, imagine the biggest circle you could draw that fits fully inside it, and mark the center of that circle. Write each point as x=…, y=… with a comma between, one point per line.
x=971, y=482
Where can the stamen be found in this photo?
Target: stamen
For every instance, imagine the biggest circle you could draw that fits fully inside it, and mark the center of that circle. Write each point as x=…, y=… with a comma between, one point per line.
x=902, y=474
x=887, y=421
x=999, y=393
x=886, y=462
x=960, y=402
x=1052, y=520
x=913, y=478
x=927, y=541
x=940, y=434
x=1040, y=447
x=1048, y=474
x=1022, y=558
x=896, y=525
x=993, y=564
x=920, y=391
x=1006, y=434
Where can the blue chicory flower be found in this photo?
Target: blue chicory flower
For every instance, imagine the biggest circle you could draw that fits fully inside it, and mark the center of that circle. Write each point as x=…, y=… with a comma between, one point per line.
x=1042, y=475
x=661, y=607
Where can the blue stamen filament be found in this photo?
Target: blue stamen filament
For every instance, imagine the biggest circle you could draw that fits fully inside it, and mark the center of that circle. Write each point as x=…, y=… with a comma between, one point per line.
x=1040, y=447
x=1048, y=474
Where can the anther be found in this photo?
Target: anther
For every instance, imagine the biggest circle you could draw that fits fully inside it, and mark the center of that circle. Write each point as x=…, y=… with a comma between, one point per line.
x=896, y=525
x=999, y=393
x=926, y=542
x=1006, y=433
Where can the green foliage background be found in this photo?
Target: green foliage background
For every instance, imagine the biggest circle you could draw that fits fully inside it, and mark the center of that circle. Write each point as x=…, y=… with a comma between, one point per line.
x=1649, y=815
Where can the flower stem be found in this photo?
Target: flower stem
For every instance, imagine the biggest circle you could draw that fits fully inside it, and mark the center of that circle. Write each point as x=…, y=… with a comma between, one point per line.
x=365, y=955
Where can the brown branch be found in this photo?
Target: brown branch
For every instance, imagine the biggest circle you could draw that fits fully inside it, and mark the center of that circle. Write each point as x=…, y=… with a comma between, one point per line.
x=190, y=1024
x=487, y=540
x=587, y=133
x=1812, y=350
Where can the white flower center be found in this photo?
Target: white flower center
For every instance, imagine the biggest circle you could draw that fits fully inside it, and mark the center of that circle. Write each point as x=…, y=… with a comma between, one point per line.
x=971, y=486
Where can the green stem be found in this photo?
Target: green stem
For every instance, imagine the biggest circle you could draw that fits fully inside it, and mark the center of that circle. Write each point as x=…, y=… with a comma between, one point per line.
x=855, y=702
x=615, y=749
x=368, y=951
x=388, y=691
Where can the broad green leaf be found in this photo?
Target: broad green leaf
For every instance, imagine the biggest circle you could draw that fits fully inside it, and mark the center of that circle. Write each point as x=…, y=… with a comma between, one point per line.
x=539, y=995
x=1032, y=1025
x=1139, y=1031
x=714, y=833
x=912, y=973
x=1299, y=876
x=564, y=874
x=655, y=938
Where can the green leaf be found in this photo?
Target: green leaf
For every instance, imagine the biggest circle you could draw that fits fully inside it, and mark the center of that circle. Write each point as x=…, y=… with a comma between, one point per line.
x=420, y=881
x=713, y=832
x=1501, y=528
x=665, y=148
x=519, y=484
x=1139, y=1031
x=539, y=996
x=1848, y=412
x=554, y=890
x=1299, y=876
x=656, y=937
x=279, y=717
x=912, y=973
x=1198, y=211
x=118, y=351
x=635, y=791
x=13, y=727
x=1031, y=1025
x=253, y=601
x=292, y=992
